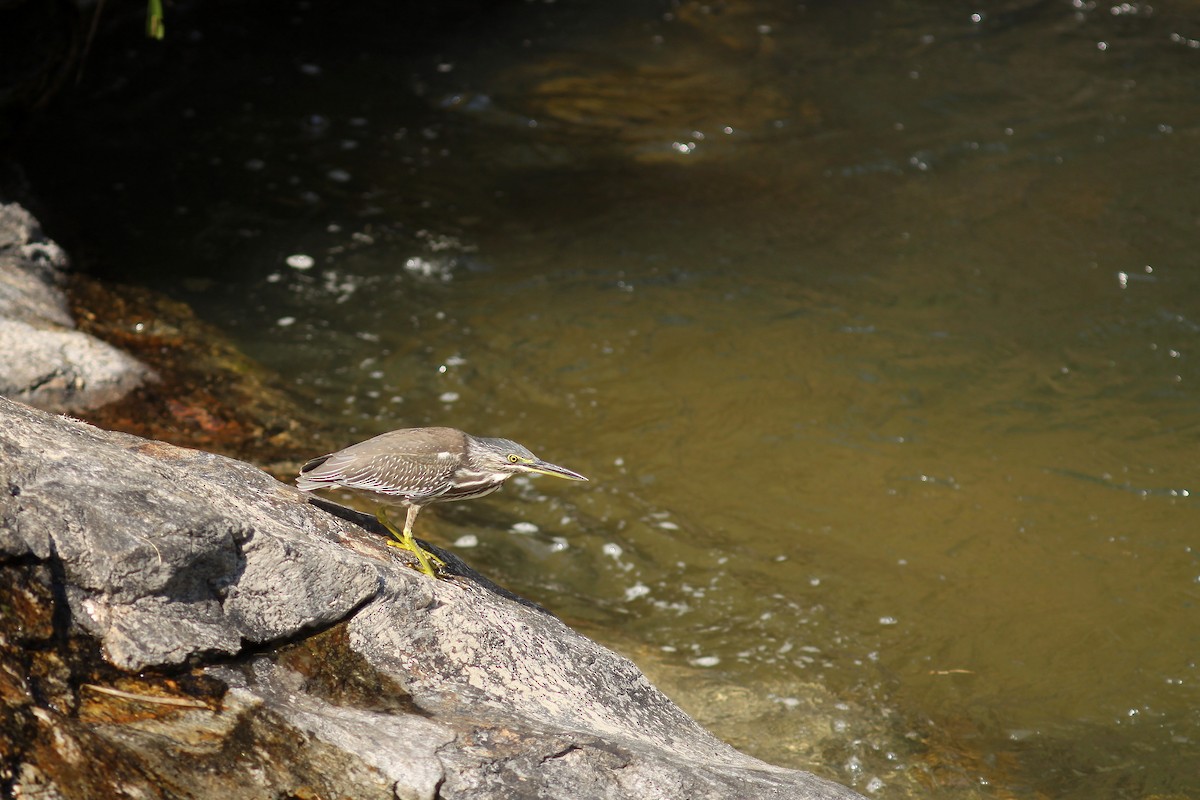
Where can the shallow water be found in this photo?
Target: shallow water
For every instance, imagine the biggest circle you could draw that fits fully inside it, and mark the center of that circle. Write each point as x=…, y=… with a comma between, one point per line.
x=874, y=326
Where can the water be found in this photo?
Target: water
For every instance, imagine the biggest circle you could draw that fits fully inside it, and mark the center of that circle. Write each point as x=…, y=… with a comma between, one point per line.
x=874, y=326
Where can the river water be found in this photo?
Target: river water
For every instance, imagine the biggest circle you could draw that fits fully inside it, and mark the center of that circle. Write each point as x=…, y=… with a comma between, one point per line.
x=874, y=325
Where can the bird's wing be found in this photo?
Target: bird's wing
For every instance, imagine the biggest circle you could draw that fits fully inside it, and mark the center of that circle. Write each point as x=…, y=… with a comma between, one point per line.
x=398, y=464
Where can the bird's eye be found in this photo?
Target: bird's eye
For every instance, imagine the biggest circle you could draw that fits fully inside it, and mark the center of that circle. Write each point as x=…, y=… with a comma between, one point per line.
x=513, y=458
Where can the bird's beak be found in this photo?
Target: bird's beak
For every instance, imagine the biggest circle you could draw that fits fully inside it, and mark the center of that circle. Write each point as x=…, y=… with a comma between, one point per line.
x=546, y=468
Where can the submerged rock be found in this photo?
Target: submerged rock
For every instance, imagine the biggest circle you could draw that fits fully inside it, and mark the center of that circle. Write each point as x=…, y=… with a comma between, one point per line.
x=175, y=623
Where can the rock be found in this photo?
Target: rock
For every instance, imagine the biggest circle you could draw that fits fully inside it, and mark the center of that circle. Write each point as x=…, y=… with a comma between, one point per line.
x=179, y=624
x=209, y=395
x=47, y=362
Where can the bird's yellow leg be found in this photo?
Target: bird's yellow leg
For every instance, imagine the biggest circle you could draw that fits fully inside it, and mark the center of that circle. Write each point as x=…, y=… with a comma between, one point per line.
x=405, y=541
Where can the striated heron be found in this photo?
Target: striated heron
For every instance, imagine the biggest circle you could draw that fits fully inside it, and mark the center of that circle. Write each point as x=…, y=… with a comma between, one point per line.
x=414, y=467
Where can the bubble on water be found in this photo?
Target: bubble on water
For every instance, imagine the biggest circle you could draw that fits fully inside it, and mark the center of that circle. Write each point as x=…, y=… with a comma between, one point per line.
x=300, y=261
x=706, y=661
x=467, y=540
x=524, y=527
x=636, y=591
x=424, y=268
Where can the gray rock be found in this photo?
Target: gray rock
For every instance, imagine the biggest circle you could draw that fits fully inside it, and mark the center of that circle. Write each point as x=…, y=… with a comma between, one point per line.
x=347, y=672
x=47, y=362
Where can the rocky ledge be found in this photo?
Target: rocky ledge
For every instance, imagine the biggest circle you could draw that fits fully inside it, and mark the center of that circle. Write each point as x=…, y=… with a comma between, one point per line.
x=175, y=623
x=47, y=361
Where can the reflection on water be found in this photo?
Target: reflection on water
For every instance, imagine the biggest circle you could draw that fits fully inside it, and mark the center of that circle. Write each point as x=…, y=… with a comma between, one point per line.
x=874, y=326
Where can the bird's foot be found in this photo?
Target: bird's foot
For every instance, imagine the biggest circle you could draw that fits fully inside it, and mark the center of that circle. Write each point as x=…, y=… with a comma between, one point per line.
x=427, y=562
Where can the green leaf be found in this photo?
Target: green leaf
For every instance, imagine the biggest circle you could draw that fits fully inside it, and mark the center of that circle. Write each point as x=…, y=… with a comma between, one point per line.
x=155, y=28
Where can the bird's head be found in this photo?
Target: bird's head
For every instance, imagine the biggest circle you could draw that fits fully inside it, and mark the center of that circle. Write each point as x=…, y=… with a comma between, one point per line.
x=506, y=456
